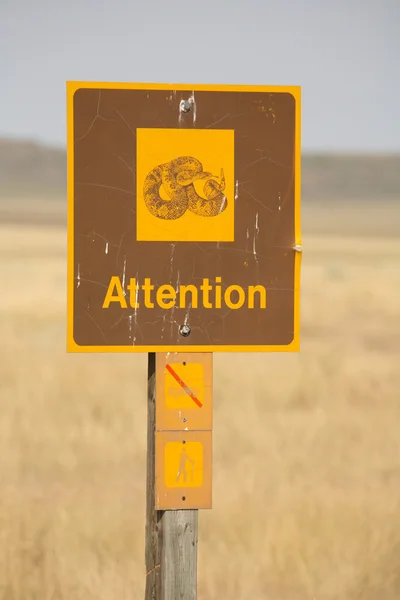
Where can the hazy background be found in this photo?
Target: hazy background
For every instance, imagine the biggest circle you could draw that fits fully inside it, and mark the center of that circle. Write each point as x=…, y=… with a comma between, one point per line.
x=344, y=54
x=306, y=446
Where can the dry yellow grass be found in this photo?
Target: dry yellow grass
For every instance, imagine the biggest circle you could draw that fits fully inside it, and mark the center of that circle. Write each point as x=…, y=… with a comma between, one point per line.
x=306, y=447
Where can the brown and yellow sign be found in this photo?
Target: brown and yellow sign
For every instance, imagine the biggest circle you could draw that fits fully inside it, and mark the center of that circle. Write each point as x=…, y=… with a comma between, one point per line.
x=184, y=218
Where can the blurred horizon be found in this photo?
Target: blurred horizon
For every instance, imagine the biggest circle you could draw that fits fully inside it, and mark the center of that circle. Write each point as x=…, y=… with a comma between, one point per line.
x=337, y=152
x=33, y=187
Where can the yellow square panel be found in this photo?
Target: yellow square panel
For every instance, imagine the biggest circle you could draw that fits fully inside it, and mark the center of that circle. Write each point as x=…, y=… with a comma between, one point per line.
x=183, y=469
x=185, y=185
x=184, y=391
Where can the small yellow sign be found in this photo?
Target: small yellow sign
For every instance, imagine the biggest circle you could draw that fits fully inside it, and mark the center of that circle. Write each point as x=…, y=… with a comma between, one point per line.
x=183, y=464
x=183, y=469
x=189, y=391
x=185, y=185
x=184, y=391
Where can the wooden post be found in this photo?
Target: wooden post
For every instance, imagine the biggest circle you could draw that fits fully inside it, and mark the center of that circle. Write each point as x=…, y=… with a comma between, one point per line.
x=171, y=535
x=153, y=517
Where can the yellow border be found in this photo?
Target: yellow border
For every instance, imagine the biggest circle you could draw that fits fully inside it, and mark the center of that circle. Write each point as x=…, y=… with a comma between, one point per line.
x=72, y=87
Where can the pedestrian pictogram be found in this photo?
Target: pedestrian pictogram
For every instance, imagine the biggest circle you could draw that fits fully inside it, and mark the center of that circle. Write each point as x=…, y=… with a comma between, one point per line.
x=183, y=460
x=183, y=469
x=183, y=464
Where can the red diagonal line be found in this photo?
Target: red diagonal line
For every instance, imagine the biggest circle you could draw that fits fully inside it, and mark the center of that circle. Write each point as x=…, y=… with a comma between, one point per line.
x=185, y=387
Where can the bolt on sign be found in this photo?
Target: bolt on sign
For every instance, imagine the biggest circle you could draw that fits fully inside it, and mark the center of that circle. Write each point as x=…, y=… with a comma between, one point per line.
x=184, y=218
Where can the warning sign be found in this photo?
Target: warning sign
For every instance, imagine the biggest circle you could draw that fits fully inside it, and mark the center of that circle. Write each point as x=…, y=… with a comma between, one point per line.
x=183, y=469
x=184, y=218
x=184, y=391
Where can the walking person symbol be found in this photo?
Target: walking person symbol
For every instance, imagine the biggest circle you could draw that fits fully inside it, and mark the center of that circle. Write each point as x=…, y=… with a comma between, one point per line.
x=183, y=460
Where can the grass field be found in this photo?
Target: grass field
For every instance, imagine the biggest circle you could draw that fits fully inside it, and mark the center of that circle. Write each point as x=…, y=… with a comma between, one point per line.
x=306, y=446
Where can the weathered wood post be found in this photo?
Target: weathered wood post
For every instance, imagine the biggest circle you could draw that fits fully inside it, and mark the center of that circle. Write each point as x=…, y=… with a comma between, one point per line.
x=171, y=535
x=153, y=517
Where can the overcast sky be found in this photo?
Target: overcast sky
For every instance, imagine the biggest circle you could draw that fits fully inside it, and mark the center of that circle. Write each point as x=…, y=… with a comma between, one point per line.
x=344, y=53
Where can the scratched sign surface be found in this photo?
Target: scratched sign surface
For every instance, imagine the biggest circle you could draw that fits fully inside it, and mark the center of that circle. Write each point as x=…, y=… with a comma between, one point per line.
x=184, y=218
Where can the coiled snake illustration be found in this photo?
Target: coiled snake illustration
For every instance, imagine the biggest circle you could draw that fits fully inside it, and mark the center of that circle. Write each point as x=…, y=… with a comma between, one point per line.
x=177, y=178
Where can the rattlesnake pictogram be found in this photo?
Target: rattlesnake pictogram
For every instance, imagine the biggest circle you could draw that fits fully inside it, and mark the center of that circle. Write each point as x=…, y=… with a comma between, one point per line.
x=177, y=178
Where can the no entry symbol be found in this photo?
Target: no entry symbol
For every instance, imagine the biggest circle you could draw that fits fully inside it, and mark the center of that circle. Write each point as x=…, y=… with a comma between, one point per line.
x=183, y=385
